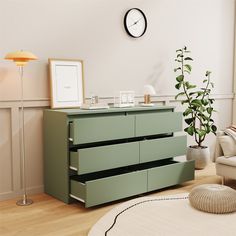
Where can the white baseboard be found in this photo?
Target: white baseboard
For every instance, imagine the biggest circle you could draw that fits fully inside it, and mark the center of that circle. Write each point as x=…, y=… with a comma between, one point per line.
x=16, y=194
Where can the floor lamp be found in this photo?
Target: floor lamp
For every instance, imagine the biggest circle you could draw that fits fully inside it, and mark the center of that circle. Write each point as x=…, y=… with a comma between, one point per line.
x=21, y=58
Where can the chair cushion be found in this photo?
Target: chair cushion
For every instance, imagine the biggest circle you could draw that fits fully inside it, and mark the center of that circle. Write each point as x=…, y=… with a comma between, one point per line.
x=231, y=133
x=228, y=145
x=218, y=150
x=230, y=161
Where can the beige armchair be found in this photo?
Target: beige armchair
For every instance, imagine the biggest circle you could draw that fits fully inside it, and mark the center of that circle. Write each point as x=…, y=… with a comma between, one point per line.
x=225, y=166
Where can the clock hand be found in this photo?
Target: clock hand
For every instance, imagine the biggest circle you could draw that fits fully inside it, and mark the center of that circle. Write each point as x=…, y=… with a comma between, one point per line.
x=135, y=22
x=139, y=19
x=132, y=24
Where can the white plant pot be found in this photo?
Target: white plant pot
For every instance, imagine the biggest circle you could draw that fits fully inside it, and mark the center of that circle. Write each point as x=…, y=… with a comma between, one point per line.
x=200, y=155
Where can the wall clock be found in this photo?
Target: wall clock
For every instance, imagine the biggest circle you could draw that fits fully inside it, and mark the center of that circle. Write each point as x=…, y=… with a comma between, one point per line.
x=135, y=22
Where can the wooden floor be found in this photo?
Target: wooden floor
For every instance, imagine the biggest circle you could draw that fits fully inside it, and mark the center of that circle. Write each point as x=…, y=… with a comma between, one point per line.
x=48, y=216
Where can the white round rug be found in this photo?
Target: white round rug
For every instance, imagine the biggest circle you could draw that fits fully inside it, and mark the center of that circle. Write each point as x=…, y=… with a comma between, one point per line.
x=165, y=216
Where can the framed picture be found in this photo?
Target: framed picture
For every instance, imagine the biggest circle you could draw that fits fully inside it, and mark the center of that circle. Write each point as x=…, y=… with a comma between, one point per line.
x=124, y=99
x=67, y=83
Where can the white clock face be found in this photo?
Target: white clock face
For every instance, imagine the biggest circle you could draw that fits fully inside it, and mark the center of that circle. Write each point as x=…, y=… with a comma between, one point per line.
x=135, y=22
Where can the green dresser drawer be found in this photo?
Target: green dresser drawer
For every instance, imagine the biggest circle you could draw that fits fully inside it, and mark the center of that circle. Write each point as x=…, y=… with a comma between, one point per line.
x=167, y=175
x=157, y=149
x=95, y=129
x=98, y=191
x=94, y=159
x=158, y=123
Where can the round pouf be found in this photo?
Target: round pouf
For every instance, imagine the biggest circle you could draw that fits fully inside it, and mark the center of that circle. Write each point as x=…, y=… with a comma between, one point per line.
x=213, y=198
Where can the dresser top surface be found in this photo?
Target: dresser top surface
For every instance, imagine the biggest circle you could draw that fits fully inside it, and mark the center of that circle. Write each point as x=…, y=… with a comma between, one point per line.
x=77, y=111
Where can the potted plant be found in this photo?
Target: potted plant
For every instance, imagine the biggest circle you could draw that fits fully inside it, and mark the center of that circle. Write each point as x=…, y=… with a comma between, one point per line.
x=198, y=108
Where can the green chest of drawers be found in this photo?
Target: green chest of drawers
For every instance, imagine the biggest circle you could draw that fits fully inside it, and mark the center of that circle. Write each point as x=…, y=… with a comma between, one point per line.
x=105, y=155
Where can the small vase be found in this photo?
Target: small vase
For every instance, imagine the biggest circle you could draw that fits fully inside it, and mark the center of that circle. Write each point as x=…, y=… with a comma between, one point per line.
x=200, y=155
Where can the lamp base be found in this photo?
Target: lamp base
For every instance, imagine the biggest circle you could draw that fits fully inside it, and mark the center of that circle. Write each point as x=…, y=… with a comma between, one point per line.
x=147, y=104
x=24, y=202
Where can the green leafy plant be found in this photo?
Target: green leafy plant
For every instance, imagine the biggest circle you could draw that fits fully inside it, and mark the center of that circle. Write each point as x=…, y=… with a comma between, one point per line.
x=198, y=114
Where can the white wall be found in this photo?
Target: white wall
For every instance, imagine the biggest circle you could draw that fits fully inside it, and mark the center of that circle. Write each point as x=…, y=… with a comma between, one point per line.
x=93, y=31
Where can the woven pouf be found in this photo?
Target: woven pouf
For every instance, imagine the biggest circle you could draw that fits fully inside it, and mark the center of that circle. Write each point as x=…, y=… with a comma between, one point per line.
x=213, y=198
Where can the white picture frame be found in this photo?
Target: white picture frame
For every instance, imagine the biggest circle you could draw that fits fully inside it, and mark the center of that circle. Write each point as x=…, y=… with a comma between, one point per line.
x=125, y=99
x=66, y=82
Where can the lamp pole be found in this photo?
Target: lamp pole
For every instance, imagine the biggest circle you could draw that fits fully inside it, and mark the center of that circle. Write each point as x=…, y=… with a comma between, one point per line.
x=24, y=201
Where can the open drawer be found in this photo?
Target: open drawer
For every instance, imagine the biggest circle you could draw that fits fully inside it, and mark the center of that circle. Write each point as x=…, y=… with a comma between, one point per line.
x=97, y=129
x=106, y=157
x=171, y=174
x=105, y=189
x=106, y=186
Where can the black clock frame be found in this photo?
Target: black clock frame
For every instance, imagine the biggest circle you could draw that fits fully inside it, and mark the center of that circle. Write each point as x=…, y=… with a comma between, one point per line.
x=125, y=25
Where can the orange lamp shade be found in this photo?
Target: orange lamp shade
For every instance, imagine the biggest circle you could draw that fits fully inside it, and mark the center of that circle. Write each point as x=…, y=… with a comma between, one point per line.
x=21, y=57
